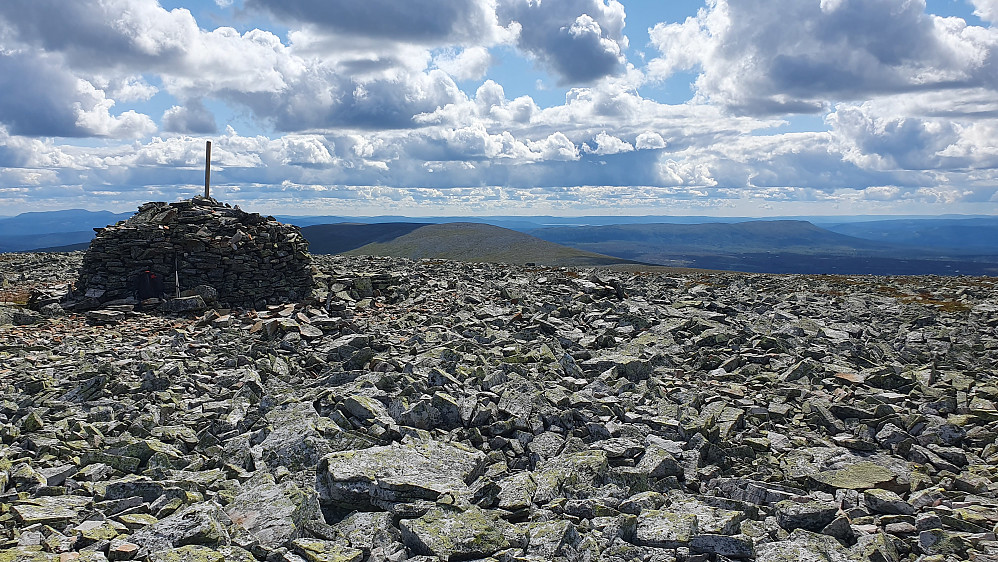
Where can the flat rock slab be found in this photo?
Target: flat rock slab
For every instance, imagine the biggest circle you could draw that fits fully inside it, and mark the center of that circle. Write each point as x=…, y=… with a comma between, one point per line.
x=548, y=539
x=294, y=442
x=315, y=550
x=886, y=501
x=665, y=529
x=272, y=513
x=805, y=513
x=732, y=546
x=198, y=524
x=396, y=473
x=452, y=534
x=187, y=553
x=711, y=519
x=803, y=545
x=570, y=475
x=50, y=510
x=859, y=476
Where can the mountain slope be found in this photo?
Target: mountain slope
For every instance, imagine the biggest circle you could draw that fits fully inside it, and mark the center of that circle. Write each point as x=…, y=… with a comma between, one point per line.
x=751, y=236
x=342, y=237
x=482, y=243
x=53, y=241
x=764, y=247
x=49, y=229
x=965, y=236
x=48, y=222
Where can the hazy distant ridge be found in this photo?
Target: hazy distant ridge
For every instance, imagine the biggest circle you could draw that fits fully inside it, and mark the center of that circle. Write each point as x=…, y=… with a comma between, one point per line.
x=47, y=229
x=481, y=243
x=755, y=236
x=973, y=235
x=876, y=245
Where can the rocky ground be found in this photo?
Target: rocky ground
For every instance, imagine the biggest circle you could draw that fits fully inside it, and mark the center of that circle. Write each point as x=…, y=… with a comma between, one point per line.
x=442, y=410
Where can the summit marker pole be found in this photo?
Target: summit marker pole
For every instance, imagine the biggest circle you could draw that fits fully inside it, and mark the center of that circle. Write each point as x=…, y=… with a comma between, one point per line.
x=207, y=168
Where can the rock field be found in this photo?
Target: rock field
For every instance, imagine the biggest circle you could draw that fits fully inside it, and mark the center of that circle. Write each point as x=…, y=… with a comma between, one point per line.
x=441, y=410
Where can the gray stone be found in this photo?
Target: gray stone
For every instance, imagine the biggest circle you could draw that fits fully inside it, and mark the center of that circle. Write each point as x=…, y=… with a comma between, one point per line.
x=272, y=513
x=803, y=545
x=885, y=501
x=181, y=305
x=292, y=440
x=381, y=476
x=550, y=539
x=805, y=513
x=732, y=546
x=199, y=524
x=570, y=475
x=456, y=534
x=661, y=528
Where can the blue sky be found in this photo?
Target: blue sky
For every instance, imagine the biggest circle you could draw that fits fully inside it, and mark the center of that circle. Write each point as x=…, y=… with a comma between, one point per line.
x=498, y=107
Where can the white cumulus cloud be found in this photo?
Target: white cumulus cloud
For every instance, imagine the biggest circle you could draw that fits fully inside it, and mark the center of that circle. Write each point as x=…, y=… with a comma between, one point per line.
x=579, y=40
x=609, y=144
x=794, y=57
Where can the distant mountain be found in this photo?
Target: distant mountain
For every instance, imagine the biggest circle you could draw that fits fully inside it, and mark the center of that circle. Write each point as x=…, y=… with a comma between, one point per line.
x=49, y=222
x=479, y=243
x=68, y=248
x=958, y=236
x=343, y=237
x=53, y=229
x=641, y=241
x=527, y=223
x=45, y=242
x=765, y=247
x=885, y=245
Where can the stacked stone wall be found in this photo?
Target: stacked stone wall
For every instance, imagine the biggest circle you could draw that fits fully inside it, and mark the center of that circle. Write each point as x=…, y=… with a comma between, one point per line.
x=249, y=259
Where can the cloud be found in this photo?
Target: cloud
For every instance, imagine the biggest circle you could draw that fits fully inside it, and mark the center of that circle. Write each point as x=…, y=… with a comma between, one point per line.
x=93, y=116
x=491, y=102
x=26, y=152
x=874, y=140
x=798, y=57
x=469, y=64
x=39, y=97
x=686, y=173
x=133, y=33
x=36, y=96
x=649, y=140
x=893, y=133
x=193, y=117
x=433, y=22
x=556, y=146
x=987, y=10
x=882, y=192
x=371, y=117
x=608, y=144
x=255, y=69
x=579, y=40
x=127, y=88
x=471, y=167
x=305, y=150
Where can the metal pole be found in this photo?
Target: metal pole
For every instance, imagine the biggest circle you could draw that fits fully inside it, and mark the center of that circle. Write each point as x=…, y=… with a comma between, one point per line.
x=207, y=168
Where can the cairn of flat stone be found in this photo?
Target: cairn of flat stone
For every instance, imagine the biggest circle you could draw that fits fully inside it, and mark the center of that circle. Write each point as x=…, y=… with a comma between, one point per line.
x=196, y=248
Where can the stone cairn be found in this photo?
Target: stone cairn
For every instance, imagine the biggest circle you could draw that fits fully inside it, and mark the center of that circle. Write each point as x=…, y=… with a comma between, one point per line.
x=215, y=252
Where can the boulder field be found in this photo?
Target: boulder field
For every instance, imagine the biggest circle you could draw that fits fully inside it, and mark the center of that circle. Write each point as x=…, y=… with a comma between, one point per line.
x=436, y=410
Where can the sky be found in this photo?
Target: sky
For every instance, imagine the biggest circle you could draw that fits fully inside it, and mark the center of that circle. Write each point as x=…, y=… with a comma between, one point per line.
x=503, y=107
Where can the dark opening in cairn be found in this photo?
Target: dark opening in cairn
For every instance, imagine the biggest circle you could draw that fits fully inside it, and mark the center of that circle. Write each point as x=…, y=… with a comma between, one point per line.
x=214, y=252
